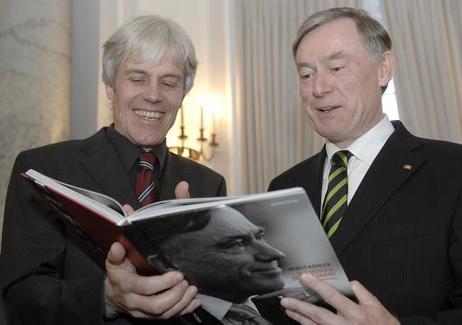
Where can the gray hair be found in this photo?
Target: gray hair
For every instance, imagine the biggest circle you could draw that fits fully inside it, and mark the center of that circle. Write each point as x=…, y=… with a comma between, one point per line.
x=149, y=38
x=374, y=36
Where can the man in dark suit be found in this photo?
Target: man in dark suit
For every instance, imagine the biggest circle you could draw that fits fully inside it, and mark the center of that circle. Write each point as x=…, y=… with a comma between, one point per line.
x=149, y=66
x=398, y=198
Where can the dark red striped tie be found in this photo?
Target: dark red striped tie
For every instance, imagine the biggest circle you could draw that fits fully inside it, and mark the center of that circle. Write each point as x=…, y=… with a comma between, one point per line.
x=145, y=181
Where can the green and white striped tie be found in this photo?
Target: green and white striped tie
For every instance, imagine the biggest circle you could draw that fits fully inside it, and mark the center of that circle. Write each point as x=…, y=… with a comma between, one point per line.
x=336, y=198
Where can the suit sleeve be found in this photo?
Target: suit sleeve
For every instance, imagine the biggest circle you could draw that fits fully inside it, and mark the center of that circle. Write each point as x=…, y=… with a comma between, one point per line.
x=36, y=287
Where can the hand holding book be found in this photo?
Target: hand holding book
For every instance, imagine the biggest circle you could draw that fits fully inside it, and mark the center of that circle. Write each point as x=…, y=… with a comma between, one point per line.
x=158, y=296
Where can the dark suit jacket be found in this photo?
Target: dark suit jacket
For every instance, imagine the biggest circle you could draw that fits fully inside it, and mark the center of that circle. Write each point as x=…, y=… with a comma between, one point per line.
x=401, y=235
x=45, y=277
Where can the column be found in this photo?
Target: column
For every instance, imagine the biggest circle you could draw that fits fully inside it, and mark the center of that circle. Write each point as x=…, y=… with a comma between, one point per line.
x=35, y=78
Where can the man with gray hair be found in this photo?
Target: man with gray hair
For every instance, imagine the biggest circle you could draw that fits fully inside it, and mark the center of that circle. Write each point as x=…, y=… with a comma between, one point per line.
x=390, y=202
x=149, y=66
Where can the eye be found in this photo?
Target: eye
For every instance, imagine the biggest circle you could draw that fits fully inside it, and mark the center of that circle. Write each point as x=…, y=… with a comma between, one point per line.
x=170, y=83
x=336, y=69
x=237, y=243
x=137, y=80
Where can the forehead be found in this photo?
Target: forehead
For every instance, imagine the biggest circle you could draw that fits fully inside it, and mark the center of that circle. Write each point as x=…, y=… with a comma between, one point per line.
x=337, y=36
x=224, y=223
x=229, y=221
x=168, y=63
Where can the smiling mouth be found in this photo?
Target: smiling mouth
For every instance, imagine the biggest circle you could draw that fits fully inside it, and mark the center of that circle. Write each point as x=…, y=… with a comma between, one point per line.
x=268, y=270
x=327, y=108
x=149, y=115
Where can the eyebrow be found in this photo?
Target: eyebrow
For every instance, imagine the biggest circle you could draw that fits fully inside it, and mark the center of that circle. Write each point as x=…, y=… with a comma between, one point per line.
x=304, y=65
x=336, y=55
x=140, y=71
x=333, y=56
x=131, y=70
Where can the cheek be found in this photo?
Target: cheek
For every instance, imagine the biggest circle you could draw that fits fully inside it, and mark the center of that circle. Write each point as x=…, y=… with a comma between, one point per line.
x=305, y=92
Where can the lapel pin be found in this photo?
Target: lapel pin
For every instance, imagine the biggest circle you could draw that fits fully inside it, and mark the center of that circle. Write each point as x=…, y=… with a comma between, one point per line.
x=407, y=167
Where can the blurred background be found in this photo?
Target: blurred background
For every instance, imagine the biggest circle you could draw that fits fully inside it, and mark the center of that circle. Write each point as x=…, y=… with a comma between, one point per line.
x=245, y=97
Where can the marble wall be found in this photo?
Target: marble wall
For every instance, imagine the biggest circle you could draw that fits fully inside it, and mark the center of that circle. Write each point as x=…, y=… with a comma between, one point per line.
x=35, y=78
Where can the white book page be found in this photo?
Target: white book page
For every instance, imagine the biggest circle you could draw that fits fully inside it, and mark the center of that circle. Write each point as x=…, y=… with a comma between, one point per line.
x=100, y=203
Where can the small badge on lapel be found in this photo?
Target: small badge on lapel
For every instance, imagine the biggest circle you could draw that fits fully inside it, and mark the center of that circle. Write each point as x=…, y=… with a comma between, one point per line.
x=407, y=167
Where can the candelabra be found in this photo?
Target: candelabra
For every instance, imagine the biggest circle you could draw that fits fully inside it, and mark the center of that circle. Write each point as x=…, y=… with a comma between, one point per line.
x=185, y=151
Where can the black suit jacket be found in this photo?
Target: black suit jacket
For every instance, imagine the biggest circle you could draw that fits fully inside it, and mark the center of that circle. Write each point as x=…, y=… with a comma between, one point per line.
x=401, y=235
x=45, y=277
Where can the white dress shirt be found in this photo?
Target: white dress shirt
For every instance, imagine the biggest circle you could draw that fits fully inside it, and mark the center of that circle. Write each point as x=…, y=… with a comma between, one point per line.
x=364, y=150
x=218, y=307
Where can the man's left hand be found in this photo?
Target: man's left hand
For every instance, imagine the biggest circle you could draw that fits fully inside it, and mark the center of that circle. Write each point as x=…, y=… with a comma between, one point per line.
x=367, y=311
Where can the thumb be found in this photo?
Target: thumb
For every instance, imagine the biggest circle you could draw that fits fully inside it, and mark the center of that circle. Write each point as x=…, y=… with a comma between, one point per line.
x=116, y=254
x=128, y=209
x=182, y=190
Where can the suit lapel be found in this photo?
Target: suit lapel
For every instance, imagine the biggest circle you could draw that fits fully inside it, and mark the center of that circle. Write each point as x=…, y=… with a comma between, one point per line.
x=395, y=163
x=104, y=166
x=312, y=182
x=174, y=172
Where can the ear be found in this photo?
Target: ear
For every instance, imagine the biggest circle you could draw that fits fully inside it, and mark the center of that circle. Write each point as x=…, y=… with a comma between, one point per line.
x=159, y=263
x=109, y=92
x=386, y=68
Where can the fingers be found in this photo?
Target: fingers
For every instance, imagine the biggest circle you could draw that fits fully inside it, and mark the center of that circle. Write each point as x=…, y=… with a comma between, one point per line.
x=187, y=304
x=369, y=310
x=330, y=295
x=160, y=296
x=303, y=312
x=193, y=305
x=155, y=305
x=307, y=313
x=154, y=284
x=363, y=295
x=182, y=190
x=128, y=209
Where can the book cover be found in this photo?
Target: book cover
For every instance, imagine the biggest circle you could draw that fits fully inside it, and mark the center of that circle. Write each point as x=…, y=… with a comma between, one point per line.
x=231, y=248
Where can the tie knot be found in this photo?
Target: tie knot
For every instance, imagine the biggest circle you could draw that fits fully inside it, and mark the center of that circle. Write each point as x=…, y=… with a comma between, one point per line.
x=147, y=160
x=341, y=158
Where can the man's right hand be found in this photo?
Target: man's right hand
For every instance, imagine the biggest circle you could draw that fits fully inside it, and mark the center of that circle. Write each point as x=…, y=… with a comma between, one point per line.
x=161, y=296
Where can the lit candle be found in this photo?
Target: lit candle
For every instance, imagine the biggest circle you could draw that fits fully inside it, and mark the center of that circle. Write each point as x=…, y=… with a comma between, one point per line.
x=182, y=116
x=213, y=123
x=202, y=117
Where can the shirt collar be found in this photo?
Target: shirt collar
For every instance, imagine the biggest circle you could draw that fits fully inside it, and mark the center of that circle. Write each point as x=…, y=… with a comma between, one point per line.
x=215, y=306
x=218, y=307
x=367, y=146
x=129, y=152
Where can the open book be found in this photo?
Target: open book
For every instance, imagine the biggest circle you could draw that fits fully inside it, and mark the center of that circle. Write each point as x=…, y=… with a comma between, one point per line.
x=276, y=235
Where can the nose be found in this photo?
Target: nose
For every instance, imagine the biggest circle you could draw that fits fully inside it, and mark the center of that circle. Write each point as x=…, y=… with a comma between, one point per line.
x=321, y=84
x=151, y=93
x=266, y=252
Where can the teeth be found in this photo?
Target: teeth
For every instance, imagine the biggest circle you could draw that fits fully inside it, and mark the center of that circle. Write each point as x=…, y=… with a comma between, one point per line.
x=149, y=115
x=328, y=108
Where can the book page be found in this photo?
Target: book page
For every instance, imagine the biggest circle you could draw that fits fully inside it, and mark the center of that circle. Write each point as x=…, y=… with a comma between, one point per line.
x=101, y=198
x=99, y=203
